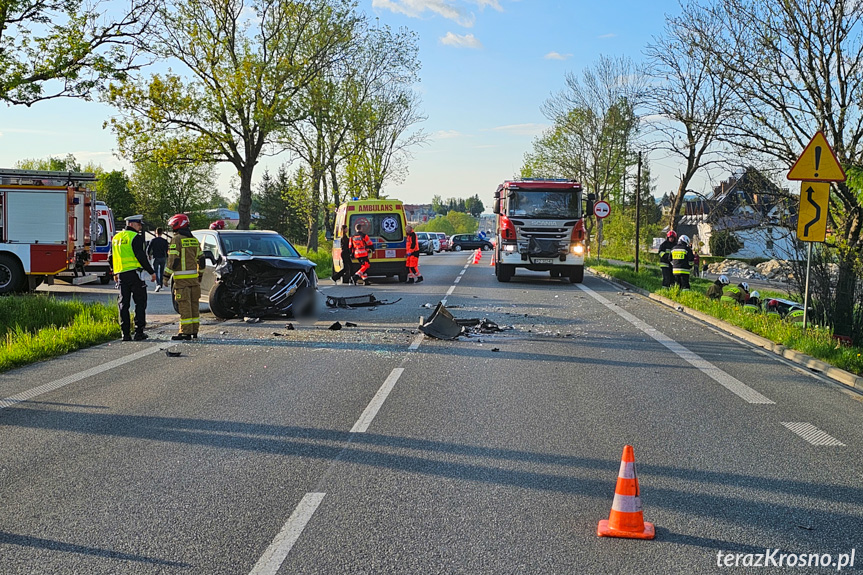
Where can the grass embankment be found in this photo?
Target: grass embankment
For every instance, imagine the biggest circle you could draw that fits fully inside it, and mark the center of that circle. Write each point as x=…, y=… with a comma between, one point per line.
x=323, y=258
x=815, y=341
x=36, y=327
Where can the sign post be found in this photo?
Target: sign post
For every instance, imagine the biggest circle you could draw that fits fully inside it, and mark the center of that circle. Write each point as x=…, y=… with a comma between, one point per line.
x=816, y=167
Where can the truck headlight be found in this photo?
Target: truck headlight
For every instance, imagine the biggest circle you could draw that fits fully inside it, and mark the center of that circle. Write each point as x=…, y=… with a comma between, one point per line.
x=578, y=249
x=510, y=248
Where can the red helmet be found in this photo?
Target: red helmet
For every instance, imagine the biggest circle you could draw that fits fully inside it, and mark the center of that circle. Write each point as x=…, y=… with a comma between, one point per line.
x=671, y=235
x=218, y=225
x=178, y=221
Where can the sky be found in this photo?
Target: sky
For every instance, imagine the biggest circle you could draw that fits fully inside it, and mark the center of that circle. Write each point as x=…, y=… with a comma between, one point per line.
x=487, y=68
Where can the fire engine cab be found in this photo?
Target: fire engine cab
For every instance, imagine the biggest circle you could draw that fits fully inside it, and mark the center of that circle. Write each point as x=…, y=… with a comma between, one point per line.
x=540, y=227
x=46, y=228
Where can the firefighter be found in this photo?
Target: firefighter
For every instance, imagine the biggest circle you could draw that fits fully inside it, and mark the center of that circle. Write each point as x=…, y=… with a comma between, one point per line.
x=413, y=256
x=753, y=304
x=681, y=262
x=361, y=243
x=127, y=259
x=795, y=316
x=665, y=258
x=772, y=308
x=185, y=264
x=218, y=225
x=715, y=289
x=736, y=294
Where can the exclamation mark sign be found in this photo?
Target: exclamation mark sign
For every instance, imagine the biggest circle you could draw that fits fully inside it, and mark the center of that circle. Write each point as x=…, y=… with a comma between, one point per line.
x=817, y=159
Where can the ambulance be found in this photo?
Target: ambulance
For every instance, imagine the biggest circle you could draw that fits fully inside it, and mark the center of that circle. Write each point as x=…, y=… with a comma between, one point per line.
x=384, y=222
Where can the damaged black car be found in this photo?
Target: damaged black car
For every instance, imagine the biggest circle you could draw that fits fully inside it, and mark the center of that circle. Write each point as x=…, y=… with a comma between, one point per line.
x=254, y=273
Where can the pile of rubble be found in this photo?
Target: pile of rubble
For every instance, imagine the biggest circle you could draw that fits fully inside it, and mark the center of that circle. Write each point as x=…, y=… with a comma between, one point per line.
x=773, y=270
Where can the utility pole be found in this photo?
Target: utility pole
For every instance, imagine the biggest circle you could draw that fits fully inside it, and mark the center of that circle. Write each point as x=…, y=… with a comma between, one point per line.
x=637, y=211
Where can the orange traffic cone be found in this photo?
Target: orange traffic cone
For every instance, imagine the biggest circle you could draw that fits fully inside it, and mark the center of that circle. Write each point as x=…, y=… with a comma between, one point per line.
x=477, y=256
x=491, y=260
x=626, y=518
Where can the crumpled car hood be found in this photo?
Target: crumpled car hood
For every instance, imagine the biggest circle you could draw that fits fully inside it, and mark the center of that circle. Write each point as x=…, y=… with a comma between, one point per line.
x=261, y=286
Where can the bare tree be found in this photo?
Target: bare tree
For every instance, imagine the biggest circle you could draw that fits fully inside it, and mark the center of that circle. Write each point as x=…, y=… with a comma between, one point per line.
x=797, y=68
x=690, y=100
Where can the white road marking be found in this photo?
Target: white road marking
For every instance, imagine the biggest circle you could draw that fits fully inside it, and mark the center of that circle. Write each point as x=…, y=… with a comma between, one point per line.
x=458, y=279
x=461, y=273
x=450, y=290
x=416, y=342
x=727, y=381
x=277, y=552
x=812, y=434
x=371, y=411
x=62, y=382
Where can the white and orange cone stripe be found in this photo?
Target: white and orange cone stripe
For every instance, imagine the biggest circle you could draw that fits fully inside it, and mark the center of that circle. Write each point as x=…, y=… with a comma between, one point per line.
x=626, y=518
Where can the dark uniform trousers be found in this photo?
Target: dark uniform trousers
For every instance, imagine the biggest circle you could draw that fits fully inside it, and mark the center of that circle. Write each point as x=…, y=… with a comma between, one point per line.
x=132, y=288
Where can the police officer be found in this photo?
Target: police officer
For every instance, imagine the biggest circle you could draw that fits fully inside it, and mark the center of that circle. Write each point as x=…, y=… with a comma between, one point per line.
x=665, y=258
x=127, y=258
x=715, y=289
x=681, y=262
x=185, y=264
x=413, y=256
x=361, y=243
x=753, y=304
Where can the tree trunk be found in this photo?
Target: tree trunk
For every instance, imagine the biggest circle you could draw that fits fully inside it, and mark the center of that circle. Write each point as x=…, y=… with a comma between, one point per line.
x=843, y=322
x=315, y=211
x=244, y=206
x=677, y=202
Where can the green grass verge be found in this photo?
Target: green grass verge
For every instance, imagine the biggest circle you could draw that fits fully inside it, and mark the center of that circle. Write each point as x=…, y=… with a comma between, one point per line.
x=817, y=342
x=36, y=327
x=323, y=258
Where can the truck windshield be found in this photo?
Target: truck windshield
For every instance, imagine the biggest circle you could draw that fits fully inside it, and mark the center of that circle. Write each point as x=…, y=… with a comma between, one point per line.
x=544, y=204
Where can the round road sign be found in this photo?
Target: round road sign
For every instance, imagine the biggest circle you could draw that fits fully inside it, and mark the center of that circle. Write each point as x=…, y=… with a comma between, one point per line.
x=601, y=209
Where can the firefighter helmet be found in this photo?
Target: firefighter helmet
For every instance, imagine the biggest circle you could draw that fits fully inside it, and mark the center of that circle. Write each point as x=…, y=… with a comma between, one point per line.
x=218, y=225
x=671, y=235
x=178, y=221
x=744, y=285
x=755, y=294
x=723, y=279
x=684, y=239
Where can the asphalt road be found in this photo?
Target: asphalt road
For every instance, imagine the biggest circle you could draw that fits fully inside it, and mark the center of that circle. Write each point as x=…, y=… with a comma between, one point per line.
x=372, y=449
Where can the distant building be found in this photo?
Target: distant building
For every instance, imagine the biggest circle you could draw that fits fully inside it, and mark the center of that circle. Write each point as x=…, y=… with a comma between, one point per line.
x=417, y=214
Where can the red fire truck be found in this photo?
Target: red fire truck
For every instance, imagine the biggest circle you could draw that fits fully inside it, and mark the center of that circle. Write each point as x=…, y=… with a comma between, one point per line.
x=540, y=227
x=47, y=228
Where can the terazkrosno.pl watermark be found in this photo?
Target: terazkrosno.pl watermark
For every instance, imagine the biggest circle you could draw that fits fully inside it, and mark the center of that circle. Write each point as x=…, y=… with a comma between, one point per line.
x=776, y=558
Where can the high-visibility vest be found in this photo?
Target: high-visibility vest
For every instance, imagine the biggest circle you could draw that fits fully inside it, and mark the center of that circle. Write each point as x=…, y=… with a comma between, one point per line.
x=679, y=262
x=360, y=243
x=727, y=294
x=413, y=244
x=122, y=256
x=751, y=308
x=795, y=317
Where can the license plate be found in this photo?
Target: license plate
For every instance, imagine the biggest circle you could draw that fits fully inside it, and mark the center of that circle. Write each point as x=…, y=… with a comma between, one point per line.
x=542, y=260
x=389, y=254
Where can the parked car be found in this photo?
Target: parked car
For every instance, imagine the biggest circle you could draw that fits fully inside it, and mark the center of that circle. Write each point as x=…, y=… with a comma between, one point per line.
x=429, y=244
x=444, y=241
x=255, y=273
x=470, y=242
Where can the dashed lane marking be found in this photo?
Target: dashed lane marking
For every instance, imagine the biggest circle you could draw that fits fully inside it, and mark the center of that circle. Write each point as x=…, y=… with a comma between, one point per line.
x=64, y=381
x=362, y=424
x=277, y=552
x=812, y=434
x=727, y=381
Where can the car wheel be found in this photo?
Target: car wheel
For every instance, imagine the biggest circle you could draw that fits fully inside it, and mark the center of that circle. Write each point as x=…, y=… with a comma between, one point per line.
x=504, y=273
x=218, y=302
x=11, y=275
x=105, y=279
x=457, y=248
x=486, y=247
x=576, y=275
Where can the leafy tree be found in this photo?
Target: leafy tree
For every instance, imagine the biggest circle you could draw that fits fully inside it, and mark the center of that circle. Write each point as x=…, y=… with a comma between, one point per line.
x=164, y=190
x=284, y=204
x=66, y=48
x=462, y=223
x=474, y=206
x=440, y=224
x=67, y=164
x=724, y=243
x=242, y=82
x=113, y=189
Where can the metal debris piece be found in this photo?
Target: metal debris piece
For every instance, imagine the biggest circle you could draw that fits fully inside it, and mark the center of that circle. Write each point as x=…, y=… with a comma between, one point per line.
x=350, y=324
x=357, y=301
x=289, y=326
x=170, y=353
x=495, y=349
x=249, y=319
x=336, y=326
x=277, y=333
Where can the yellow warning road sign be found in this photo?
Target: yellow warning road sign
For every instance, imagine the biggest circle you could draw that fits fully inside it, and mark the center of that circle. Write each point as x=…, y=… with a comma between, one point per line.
x=812, y=215
x=817, y=163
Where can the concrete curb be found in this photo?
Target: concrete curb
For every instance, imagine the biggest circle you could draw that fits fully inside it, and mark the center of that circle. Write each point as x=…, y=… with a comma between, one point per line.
x=846, y=378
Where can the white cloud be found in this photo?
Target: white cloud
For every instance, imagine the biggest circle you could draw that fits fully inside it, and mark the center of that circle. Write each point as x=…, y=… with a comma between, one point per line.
x=608, y=36
x=416, y=8
x=459, y=41
x=557, y=56
x=522, y=129
x=446, y=134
